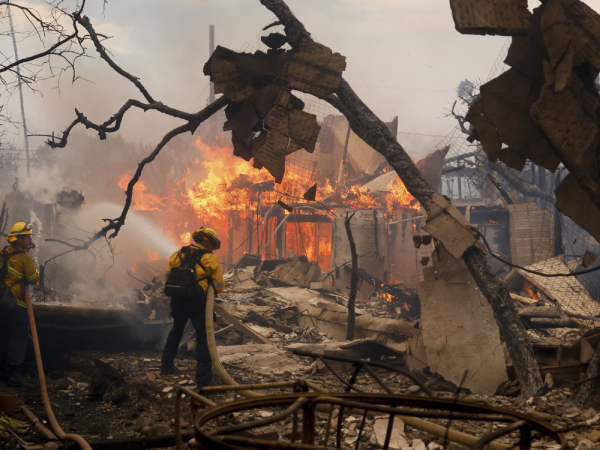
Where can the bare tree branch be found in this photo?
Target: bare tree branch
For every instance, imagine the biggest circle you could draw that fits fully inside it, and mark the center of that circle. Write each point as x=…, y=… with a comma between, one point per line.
x=44, y=27
x=85, y=22
x=460, y=119
x=114, y=225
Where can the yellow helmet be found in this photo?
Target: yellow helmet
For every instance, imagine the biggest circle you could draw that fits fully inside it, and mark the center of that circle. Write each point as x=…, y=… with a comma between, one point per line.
x=207, y=233
x=18, y=229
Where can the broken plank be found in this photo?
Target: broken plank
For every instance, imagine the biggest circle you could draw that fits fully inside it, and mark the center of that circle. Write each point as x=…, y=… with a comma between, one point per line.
x=567, y=369
x=224, y=330
x=229, y=319
x=540, y=311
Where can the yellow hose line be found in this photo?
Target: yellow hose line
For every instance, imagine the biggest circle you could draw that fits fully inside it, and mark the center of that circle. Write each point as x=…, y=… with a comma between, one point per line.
x=38, y=360
x=452, y=435
x=212, y=346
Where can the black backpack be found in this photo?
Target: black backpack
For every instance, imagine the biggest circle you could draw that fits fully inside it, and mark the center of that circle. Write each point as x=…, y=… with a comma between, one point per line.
x=4, y=257
x=182, y=282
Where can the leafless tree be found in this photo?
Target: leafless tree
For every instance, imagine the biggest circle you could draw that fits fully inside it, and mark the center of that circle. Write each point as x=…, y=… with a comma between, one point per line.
x=60, y=43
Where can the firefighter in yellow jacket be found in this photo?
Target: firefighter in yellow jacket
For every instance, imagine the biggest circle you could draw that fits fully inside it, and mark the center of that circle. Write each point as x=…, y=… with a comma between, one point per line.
x=18, y=269
x=188, y=299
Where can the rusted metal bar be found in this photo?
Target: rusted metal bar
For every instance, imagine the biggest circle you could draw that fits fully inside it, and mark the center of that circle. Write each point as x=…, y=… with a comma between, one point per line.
x=260, y=443
x=364, y=363
x=394, y=405
x=308, y=423
x=357, y=367
x=243, y=387
x=362, y=427
x=338, y=376
x=230, y=429
x=388, y=432
x=378, y=379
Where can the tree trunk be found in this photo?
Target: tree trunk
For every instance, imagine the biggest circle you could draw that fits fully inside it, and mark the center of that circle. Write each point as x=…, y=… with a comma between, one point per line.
x=511, y=327
x=375, y=133
x=353, y=280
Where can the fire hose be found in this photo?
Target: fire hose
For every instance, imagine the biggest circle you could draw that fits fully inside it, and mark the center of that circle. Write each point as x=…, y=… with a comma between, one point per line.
x=79, y=440
x=415, y=422
x=212, y=345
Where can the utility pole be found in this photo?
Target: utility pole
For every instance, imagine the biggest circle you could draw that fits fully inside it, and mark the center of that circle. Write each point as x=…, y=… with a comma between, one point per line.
x=12, y=32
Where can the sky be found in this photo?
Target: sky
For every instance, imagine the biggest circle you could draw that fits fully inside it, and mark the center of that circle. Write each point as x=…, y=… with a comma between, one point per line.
x=404, y=58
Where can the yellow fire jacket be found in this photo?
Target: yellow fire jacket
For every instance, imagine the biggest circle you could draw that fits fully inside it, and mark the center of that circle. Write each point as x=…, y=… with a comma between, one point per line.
x=20, y=266
x=213, y=268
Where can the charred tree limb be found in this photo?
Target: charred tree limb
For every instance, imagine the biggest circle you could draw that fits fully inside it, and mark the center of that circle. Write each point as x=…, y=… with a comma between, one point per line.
x=114, y=123
x=460, y=119
x=529, y=191
x=353, y=279
x=114, y=225
x=68, y=46
x=33, y=16
x=374, y=132
x=85, y=23
x=294, y=29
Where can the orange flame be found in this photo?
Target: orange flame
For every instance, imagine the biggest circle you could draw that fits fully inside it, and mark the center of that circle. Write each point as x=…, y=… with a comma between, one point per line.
x=143, y=199
x=186, y=238
x=529, y=288
x=387, y=297
x=153, y=256
x=399, y=196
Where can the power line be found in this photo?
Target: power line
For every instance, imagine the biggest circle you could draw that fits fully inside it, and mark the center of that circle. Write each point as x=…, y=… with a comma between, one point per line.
x=421, y=134
x=405, y=88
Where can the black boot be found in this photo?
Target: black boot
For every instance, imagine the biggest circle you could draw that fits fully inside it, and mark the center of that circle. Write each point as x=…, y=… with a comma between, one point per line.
x=168, y=370
x=204, y=382
x=16, y=379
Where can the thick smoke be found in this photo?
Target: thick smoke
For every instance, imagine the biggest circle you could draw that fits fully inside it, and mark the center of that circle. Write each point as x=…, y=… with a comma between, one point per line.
x=94, y=168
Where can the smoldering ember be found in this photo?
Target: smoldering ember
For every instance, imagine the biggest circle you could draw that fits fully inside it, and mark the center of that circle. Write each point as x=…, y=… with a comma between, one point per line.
x=283, y=268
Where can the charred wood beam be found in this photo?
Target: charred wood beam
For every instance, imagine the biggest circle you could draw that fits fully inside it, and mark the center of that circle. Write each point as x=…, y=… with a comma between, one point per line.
x=459, y=157
x=500, y=189
x=543, y=322
x=462, y=171
x=540, y=311
x=311, y=218
x=528, y=191
x=353, y=279
x=375, y=133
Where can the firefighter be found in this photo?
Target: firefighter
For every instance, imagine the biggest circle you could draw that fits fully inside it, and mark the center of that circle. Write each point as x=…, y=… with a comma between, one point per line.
x=18, y=270
x=206, y=269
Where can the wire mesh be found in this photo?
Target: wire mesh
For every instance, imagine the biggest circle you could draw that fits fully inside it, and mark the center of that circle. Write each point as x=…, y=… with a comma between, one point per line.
x=535, y=233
